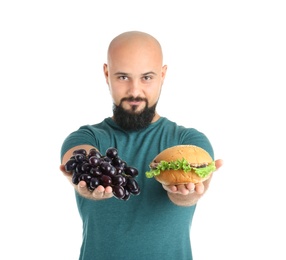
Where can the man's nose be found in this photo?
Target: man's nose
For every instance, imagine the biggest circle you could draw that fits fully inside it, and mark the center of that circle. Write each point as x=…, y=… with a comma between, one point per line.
x=134, y=88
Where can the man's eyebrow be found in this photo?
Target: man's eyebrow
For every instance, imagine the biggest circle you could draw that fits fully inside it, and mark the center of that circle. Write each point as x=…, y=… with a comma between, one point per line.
x=148, y=73
x=121, y=73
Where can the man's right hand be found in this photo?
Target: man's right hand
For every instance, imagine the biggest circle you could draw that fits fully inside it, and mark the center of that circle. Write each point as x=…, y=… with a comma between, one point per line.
x=98, y=194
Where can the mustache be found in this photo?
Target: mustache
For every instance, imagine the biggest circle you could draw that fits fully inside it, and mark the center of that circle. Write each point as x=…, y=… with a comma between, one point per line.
x=133, y=99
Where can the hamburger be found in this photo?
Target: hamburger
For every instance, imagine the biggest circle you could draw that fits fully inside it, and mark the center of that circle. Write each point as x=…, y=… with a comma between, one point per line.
x=181, y=164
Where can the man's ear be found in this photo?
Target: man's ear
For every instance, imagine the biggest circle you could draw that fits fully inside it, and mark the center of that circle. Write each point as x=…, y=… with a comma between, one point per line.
x=105, y=71
x=164, y=71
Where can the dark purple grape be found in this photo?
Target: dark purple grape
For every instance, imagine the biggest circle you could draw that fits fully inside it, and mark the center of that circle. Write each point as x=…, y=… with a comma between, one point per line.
x=119, y=163
x=78, y=168
x=132, y=185
x=84, y=177
x=95, y=172
x=94, y=183
x=116, y=162
x=125, y=181
x=127, y=195
x=119, y=171
x=123, y=164
x=118, y=192
x=107, y=159
x=80, y=151
x=105, y=167
x=94, y=152
x=112, y=172
x=105, y=180
x=132, y=171
x=85, y=167
x=94, y=161
x=80, y=158
x=70, y=165
x=136, y=191
x=111, y=152
x=118, y=180
x=75, y=177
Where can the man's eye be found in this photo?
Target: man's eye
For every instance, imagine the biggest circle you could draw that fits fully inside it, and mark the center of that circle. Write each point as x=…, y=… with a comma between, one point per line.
x=123, y=77
x=147, y=77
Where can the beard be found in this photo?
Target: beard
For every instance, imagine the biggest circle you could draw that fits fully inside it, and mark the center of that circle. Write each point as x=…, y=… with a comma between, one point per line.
x=132, y=120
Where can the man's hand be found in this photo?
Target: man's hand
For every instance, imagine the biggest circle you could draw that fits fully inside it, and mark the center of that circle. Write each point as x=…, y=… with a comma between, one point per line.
x=98, y=194
x=188, y=188
x=189, y=194
x=185, y=189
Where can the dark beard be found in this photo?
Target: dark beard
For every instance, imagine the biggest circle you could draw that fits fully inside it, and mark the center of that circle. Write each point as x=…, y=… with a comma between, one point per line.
x=132, y=121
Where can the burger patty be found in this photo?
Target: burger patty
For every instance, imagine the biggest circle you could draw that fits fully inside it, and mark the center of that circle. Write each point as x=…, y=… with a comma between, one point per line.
x=154, y=165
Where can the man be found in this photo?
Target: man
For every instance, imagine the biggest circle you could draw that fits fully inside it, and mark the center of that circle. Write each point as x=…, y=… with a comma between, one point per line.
x=156, y=223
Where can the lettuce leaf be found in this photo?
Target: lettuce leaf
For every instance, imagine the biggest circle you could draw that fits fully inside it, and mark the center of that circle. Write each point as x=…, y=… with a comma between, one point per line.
x=181, y=165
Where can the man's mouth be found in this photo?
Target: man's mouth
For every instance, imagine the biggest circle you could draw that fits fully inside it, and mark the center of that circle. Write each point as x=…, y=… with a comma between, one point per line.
x=134, y=102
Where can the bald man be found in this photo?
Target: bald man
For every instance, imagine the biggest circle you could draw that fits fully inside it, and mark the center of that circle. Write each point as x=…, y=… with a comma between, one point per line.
x=156, y=223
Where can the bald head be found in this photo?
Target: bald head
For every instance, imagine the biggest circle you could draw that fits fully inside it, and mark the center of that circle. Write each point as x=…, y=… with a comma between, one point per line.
x=133, y=43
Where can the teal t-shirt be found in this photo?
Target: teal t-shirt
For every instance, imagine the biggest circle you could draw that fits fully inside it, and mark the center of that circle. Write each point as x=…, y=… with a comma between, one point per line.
x=147, y=226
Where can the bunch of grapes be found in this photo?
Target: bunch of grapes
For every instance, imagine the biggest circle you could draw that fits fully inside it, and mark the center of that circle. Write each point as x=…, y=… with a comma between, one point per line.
x=106, y=170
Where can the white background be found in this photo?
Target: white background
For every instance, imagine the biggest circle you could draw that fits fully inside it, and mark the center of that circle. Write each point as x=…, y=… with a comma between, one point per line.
x=226, y=75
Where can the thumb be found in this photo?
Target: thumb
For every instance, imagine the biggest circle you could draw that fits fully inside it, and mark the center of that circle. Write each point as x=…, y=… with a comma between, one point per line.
x=218, y=163
x=63, y=170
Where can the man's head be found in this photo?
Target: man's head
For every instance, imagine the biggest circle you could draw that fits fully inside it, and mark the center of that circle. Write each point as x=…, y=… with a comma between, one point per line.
x=135, y=74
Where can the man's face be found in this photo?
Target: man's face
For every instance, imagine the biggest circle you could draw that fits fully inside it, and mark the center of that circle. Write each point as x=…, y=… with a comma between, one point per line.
x=135, y=78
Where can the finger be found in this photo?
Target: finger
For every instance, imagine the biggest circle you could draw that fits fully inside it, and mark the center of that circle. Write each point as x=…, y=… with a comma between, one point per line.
x=173, y=188
x=170, y=188
x=82, y=189
x=63, y=170
x=183, y=189
x=82, y=186
x=101, y=192
x=108, y=190
x=200, y=188
x=190, y=186
x=218, y=163
x=98, y=193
